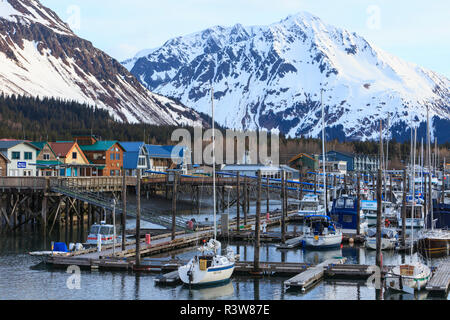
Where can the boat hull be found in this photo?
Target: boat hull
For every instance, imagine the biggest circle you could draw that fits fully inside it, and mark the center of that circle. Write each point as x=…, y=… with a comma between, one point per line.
x=408, y=283
x=322, y=242
x=210, y=276
x=434, y=247
x=386, y=244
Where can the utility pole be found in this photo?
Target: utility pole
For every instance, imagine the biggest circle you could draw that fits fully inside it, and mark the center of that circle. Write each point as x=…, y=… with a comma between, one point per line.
x=174, y=203
x=124, y=207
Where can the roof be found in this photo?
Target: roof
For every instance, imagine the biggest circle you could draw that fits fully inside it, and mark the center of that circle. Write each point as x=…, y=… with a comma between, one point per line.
x=131, y=155
x=165, y=152
x=132, y=146
x=100, y=146
x=6, y=144
x=61, y=148
x=301, y=155
x=39, y=144
x=5, y=157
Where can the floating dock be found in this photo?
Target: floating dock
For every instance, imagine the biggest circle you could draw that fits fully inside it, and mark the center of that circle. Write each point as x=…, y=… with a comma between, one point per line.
x=440, y=281
x=291, y=243
x=310, y=277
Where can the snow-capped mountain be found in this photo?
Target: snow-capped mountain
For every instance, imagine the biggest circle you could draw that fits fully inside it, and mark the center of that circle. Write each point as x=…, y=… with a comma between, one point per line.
x=41, y=56
x=271, y=77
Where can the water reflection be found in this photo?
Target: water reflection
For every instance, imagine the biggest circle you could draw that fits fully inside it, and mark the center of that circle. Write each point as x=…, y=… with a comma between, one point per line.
x=207, y=293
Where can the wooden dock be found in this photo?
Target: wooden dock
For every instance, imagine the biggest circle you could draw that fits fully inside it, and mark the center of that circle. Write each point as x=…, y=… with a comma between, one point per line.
x=291, y=243
x=311, y=276
x=440, y=281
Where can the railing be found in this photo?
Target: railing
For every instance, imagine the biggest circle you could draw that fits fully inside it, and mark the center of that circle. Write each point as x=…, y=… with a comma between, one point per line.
x=81, y=182
x=23, y=182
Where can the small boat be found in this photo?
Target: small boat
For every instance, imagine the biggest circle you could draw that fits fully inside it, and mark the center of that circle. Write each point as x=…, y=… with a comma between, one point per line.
x=209, y=268
x=413, y=219
x=408, y=277
x=434, y=242
x=320, y=232
x=389, y=239
x=310, y=205
x=102, y=231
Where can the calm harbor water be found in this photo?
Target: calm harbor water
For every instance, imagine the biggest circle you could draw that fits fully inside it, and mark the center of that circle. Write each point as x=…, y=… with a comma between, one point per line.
x=24, y=277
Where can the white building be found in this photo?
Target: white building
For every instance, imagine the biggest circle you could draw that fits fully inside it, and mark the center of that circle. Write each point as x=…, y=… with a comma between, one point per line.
x=22, y=156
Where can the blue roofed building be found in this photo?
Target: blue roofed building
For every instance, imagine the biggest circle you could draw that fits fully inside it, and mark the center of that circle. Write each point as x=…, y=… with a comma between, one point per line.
x=162, y=158
x=135, y=158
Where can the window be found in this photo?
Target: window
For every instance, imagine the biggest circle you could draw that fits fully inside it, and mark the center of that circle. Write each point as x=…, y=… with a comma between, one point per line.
x=347, y=218
x=28, y=155
x=141, y=161
x=117, y=156
x=74, y=155
x=46, y=156
x=111, y=172
x=16, y=155
x=112, y=156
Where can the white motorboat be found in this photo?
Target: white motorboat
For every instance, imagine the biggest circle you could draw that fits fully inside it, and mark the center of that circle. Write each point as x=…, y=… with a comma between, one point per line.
x=389, y=239
x=320, y=232
x=102, y=231
x=413, y=219
x=310, y=205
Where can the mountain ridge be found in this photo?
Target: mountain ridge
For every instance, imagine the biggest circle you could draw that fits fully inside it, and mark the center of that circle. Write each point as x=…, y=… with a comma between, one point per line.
x=270, y=77
x=41, y=56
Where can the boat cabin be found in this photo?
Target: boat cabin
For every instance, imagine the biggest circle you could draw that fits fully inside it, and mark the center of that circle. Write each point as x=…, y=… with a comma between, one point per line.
x=344, y=212
x=319, y=225
x=105, y=230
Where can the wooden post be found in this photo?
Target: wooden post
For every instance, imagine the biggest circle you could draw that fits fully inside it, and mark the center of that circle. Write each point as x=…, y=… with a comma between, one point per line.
x=283, y=208
x=138, y=219
x=245, y=200
x=358, y=205
x=379, y=204
x=326, y=194
x=315, y=182
x=44, y=213
x=405, y=186
x=300, y=180
x=238, y=201
x=174, y=204
x=257, y=224
x=267, y=195
x=124, y=206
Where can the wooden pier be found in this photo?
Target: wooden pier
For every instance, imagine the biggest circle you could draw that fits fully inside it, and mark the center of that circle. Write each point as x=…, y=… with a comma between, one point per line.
x=312, y=276
x=440, y=281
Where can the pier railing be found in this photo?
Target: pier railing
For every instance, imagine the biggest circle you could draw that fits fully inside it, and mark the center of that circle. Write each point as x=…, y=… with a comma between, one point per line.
x=97, y=183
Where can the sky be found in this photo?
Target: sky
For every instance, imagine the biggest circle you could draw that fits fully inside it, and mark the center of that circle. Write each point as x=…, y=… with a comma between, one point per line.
x=416, y=31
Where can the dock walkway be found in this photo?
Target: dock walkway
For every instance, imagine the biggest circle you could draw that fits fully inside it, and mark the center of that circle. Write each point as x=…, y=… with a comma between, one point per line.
x=440, y=281
x=311, y=276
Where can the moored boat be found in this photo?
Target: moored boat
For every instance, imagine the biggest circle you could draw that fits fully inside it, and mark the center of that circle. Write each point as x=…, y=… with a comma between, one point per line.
x=320, y=232
x=389, y=239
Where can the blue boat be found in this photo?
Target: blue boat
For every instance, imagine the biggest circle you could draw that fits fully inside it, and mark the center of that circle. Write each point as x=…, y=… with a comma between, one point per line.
x=441, y=215
x=344, y=212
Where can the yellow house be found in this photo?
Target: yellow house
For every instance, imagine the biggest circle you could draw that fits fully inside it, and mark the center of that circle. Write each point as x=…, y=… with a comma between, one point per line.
x=74, y=161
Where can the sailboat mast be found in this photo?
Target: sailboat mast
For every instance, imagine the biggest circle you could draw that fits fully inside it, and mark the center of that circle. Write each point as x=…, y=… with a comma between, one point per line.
x=413, y=192
x=323, y=154
x=429, y=206
x=214, y=161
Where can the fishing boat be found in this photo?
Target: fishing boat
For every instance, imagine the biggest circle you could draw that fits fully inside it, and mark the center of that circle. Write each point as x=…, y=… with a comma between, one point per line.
x=344, y=212
x=389, y=239
x=310, y=205
x=103, y=232
x=320, y=232
x=369, y=209
x=209, y=268
x=413, y=219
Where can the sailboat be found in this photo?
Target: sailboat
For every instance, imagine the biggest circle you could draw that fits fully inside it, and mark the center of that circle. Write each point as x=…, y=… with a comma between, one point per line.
x=412, y=276
x=320, y=231
x=432, y=242
x=209, y=267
